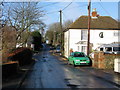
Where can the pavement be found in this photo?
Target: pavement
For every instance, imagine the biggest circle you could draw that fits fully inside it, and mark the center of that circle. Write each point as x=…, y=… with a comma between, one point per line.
x=15, y=81
x=107, y=75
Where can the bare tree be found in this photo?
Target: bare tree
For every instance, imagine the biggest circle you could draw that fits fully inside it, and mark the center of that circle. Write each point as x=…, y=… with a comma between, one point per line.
x=67, y=24
x=53, y=33
x=23, y=16
x=8, y=41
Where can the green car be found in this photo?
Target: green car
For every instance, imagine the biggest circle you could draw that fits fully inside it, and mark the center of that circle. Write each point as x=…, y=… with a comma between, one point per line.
x=79, y=58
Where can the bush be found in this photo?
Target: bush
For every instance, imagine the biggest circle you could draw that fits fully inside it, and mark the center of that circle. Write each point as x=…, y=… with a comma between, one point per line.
x=22, y=55
x=37, y=40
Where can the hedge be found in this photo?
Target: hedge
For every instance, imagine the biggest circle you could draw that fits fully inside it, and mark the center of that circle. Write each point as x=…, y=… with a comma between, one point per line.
x=22, y=55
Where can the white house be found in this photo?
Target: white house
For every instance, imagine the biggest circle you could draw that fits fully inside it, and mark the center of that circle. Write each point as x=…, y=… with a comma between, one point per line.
x=104, y=30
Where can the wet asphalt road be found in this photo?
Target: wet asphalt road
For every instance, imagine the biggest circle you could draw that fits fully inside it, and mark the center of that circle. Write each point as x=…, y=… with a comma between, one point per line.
x=50, y=72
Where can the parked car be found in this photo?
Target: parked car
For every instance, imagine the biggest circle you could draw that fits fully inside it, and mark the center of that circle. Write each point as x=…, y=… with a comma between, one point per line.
x=58, y=49
x=52, y=47
x=79, y=58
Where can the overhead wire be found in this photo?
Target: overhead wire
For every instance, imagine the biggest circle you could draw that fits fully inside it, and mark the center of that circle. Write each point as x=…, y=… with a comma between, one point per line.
x=104, y=9
x=49, y=5
x=67, y=5
x=106, y=12
x=77, y=6
x=62, y=9
x=64, y=16
x=52, y=12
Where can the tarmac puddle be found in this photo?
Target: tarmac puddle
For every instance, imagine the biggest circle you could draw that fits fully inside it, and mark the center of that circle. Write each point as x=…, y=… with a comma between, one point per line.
x=73, y=83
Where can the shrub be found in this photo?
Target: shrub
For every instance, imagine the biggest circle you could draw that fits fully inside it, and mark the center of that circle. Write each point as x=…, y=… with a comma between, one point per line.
x=22, y=55
x=37, y=40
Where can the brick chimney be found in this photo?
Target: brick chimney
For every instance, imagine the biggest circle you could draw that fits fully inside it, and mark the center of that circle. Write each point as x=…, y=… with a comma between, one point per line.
x=94, y=13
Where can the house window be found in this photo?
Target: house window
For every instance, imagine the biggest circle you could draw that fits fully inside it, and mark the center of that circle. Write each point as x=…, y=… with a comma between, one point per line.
x=116, y=33
x=84, y=49
x=108, y=48
x=116, y=48
x=83, y=34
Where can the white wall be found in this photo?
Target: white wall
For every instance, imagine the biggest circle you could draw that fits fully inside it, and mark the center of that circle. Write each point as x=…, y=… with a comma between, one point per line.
x=66, y=45
x=108, y=37
x=73, y=36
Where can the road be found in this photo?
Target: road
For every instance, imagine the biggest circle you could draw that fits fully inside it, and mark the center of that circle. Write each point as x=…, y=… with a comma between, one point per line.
x=49, y=71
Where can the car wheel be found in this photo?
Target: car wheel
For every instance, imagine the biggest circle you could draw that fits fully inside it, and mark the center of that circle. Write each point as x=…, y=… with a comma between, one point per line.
x=74, y=64
x=90, y=64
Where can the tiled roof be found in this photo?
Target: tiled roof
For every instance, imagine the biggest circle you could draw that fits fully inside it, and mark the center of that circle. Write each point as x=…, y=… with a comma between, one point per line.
x=101, y=22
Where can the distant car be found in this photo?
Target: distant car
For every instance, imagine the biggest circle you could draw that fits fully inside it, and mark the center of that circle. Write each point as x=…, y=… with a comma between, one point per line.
x=52, y=47
x=79, y=58
x=57, y=49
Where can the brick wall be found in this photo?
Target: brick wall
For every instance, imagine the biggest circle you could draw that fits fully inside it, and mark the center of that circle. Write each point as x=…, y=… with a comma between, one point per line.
x=104, y=61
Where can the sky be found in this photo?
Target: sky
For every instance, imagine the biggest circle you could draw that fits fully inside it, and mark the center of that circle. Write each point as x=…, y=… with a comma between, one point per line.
x=76, y=9
x=73, y=9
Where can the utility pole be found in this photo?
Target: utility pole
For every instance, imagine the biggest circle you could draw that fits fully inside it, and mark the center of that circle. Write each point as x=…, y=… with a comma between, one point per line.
x=89, y=19
x=61, y=31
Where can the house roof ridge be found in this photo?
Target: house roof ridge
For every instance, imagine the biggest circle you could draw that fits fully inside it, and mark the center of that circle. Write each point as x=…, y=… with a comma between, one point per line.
x=104, y=22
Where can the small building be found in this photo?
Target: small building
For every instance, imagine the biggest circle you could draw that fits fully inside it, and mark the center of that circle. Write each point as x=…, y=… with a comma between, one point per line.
x=103, y=30
x=113, y=48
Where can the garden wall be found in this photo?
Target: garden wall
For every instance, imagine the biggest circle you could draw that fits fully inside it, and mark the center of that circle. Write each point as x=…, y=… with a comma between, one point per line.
x=9, y=69
x=104, y=61
x=22, y=55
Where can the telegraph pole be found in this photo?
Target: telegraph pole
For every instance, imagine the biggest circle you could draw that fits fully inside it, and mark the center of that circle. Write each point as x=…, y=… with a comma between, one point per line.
x=88, y=42
x=61, y=31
